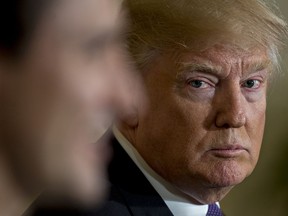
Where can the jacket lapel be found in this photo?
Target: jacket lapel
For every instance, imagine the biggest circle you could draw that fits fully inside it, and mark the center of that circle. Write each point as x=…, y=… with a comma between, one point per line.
x=138, y=194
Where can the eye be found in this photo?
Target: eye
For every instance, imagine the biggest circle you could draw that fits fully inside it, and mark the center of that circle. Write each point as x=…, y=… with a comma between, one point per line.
x=96, y=48
x=252, y=84
x=198, y=84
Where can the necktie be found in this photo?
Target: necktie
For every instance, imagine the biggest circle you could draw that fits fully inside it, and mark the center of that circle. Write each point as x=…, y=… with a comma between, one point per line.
x=214, y=210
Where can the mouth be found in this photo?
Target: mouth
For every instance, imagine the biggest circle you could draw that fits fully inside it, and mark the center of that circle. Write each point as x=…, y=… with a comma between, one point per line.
x=229, y=151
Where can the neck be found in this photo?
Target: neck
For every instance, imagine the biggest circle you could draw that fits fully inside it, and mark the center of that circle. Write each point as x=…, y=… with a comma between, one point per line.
x=13, y=199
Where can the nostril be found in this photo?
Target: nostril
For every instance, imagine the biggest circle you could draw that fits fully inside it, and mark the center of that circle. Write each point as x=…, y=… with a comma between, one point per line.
x=226, y=126
x=230, y=120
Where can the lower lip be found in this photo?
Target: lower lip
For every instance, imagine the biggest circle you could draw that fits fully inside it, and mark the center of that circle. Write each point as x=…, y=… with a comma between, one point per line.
x=227, y=153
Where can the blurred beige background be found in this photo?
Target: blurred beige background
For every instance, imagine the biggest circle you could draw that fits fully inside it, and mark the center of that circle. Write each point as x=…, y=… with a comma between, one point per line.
x=265, y=192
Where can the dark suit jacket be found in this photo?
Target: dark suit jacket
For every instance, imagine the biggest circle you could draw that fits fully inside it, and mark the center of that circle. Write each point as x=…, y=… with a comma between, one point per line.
x=131, y=193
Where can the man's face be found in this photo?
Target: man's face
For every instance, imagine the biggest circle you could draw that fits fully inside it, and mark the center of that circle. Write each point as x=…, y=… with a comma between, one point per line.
x=58, y=96
x=203, y=127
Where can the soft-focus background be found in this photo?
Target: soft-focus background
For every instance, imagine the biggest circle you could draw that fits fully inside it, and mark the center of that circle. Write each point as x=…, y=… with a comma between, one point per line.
x=265, y=192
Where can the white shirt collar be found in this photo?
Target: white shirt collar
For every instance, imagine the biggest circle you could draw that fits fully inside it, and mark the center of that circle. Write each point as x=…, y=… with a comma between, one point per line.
x=176, y=202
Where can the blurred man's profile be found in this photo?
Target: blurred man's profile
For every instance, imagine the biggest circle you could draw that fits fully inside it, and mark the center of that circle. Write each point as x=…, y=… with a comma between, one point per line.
x=206, y=66
x=62, y=78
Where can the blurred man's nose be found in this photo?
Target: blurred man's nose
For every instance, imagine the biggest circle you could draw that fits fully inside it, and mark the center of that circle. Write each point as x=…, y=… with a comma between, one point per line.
x=126, y=84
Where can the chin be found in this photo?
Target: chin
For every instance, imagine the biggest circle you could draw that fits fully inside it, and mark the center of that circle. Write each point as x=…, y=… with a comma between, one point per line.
x=213, y=195
x=90, y=192
x=78, y=194
x=83, y=188
x=88, y=180
x=228, y=174
x=213, y=186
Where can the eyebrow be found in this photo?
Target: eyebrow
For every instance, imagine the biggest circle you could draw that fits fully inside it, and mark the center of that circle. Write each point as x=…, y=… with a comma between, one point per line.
x=104, y=36
x=193, y=66
x=259, y=66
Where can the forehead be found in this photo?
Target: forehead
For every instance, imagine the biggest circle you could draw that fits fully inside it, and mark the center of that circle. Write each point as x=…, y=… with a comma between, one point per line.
x=75, y=15
x=224, y=58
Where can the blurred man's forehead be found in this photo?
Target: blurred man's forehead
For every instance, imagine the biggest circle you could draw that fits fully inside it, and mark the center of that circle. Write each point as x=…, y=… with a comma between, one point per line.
x=74, y=21
x=71, y=15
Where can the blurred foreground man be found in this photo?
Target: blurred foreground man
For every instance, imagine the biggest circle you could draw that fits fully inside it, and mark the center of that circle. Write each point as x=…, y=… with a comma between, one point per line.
x=62, y=76
x=206, y=66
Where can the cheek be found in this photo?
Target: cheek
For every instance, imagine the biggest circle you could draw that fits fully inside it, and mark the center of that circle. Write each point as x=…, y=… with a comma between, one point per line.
x=174, y=120
x=173, y=130
x=255, y=128
x=187, y=125
x=256, y=140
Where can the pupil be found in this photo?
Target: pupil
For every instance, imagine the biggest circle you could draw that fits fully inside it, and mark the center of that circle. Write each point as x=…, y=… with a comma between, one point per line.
x=250, y=83
x=196, y=83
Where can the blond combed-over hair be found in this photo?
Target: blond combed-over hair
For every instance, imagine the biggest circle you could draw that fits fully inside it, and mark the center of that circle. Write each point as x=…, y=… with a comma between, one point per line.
x=166, y=25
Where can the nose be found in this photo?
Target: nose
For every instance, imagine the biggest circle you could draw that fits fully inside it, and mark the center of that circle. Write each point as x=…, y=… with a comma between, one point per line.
x=230, y=109
x=126, y=85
